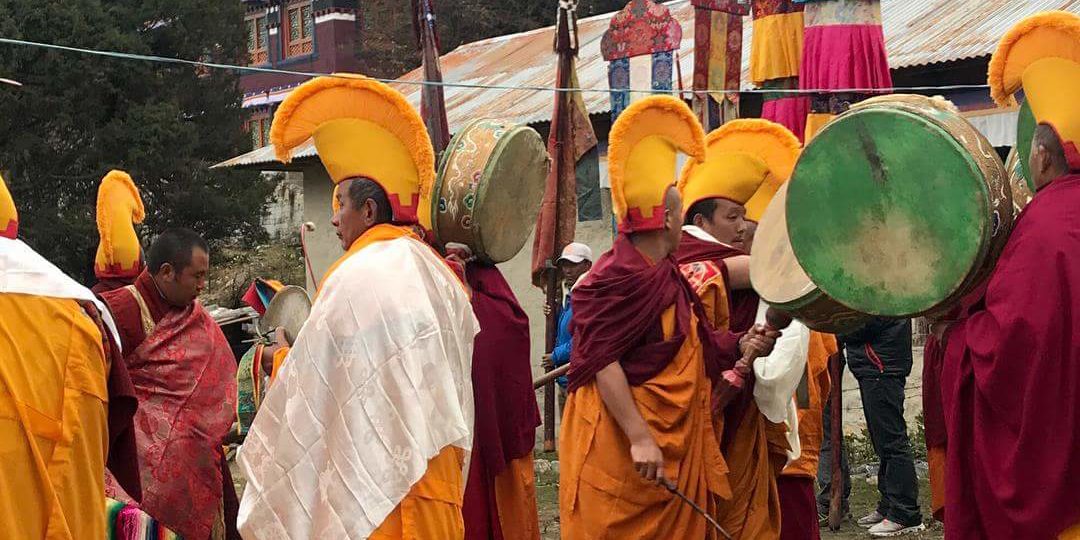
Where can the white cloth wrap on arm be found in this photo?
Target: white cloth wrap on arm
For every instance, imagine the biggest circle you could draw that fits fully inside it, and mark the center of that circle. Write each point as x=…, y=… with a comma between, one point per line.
x=777, y=376
x=378, y=382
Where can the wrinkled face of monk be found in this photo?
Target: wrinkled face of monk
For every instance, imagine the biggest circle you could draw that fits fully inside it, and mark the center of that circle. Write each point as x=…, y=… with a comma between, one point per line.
x=673, y=212
x=351, y=221
x=727, y=223
x=181, y=286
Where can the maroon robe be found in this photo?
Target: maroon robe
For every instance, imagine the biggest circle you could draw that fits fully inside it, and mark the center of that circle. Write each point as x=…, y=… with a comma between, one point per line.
x=128, y=317
x=617, y=310
x=1011, y=383
x=506, y=412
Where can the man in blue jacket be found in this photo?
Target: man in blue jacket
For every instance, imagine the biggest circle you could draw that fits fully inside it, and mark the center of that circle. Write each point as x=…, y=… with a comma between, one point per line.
x=575, y=262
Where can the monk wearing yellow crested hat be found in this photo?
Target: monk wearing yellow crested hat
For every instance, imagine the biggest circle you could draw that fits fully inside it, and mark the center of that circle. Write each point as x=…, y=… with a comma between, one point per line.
x=1010, y=378
x=364, y=431
x=644, y=363
x=56, y=351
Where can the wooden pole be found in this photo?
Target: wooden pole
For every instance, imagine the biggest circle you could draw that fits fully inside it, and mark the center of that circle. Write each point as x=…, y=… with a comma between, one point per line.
x=836, y=416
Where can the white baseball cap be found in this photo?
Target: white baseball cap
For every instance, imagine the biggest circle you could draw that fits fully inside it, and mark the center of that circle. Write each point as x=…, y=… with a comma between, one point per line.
x=576, y=252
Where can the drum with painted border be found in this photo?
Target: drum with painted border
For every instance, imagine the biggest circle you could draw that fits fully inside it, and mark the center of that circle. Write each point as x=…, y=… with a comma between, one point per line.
x=899, y=207
x=489, y=187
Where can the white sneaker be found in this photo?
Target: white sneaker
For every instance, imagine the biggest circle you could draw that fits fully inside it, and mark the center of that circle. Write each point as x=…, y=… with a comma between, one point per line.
x=887, y=529
x=871, y=519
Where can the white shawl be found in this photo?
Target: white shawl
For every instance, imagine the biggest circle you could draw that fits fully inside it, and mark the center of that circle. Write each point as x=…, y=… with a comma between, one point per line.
x=378, y=383
x=777, y=376
x=24, y=271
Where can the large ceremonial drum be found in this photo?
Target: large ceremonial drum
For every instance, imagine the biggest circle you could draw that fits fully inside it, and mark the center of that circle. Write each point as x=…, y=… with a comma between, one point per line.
x=782, y=283
x=898, y=207
x=488, y=191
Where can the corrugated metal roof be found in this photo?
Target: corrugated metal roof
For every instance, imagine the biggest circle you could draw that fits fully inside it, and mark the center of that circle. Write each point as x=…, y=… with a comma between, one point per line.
x=265, y=155
x=917, y=32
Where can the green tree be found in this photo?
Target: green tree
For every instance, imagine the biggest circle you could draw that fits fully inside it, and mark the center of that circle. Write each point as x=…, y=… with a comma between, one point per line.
x=77, y=116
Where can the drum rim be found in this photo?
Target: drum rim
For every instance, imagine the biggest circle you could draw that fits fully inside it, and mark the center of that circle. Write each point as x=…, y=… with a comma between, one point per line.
x=440, y=177
x=512, y=130
x=985, y=231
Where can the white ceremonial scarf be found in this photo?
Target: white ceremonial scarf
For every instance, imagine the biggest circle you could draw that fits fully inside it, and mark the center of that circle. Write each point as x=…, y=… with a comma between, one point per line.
x=24, y=271
x=777, y=376
x=378, y=382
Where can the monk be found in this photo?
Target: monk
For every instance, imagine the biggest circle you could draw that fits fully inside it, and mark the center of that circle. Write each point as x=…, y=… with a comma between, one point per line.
x=184, y=375
x=364, y=431
x=746, y=162
x=1012, y=366
x=500, y=492
x=119, y=257
x=643, y=366
x=57, y=417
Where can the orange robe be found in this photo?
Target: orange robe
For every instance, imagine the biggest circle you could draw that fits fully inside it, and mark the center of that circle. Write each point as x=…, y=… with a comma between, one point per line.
x=601, y=495
x=754, y=449
x=432, y=509
x=53, y=420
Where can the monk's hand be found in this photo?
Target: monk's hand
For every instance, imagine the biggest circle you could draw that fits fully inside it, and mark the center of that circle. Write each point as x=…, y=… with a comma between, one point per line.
x=759, y=340
x=648, y=459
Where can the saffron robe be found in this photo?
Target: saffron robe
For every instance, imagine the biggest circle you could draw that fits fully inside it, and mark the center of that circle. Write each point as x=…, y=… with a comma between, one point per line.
x=500, y=494
x=1011, y=383
x=640, y=313
x=184, y=375
x=364, y=431
x=54, y=401
x=754, y=449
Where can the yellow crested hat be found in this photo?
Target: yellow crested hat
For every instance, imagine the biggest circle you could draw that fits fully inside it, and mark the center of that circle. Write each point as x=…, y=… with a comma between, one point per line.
x=734, y=176
x=1041, y=55
x=9, y=216
x=362, y=129
x=643, y=147
x=770, y=145
x=119, y=207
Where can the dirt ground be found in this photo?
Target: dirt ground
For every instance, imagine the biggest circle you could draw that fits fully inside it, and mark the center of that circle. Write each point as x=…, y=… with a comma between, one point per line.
x=863, y=500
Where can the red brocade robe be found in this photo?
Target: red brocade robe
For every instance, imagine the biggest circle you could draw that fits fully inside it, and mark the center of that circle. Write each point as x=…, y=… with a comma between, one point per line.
x=184, y=376
x=500, y=494
x=1010, y=384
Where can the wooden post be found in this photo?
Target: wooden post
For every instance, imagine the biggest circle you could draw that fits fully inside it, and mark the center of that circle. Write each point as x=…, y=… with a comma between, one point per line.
x=836, y=417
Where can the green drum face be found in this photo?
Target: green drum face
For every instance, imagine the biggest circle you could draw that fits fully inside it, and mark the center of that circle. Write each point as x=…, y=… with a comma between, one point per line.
x=1025, y=131
x=780, y=280
x=895, y=207
x=488, y=191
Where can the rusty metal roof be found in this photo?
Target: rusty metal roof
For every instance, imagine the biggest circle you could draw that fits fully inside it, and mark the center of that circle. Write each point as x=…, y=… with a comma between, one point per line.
x=265, y=157
x=917, y=32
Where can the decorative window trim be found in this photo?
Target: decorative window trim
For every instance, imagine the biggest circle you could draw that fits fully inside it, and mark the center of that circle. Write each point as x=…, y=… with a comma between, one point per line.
x=299, y=41
x=257, y=24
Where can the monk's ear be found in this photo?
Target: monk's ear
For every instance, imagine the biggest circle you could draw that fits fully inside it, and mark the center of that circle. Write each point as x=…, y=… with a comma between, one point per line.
x=167, y=271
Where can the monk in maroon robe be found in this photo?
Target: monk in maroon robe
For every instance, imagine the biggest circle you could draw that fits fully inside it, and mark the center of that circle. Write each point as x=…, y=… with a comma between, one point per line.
x=500, y=494
x=1011, y=373
x=184, y=376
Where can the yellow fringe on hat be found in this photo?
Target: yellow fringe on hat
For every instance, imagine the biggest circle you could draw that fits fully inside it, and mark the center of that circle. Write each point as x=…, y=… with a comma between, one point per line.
x=769, y=141
x=663, y=116
x=322, y=99
x=115, y=184
x=1043, y=35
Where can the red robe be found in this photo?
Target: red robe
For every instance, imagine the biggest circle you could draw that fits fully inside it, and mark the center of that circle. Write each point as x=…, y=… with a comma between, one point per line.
x=506, y=411
x=128, y=316
x=1011, y=383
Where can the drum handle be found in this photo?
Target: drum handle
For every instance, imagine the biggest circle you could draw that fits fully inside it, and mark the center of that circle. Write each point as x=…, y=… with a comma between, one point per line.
x=309, y=226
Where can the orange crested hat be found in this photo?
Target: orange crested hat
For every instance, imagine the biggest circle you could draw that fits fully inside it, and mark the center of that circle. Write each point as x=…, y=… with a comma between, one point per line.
x=761, y=154
x=1041, y=55
x=362, y=128
x=119, y=207
x=643, y=147
x=9, y=215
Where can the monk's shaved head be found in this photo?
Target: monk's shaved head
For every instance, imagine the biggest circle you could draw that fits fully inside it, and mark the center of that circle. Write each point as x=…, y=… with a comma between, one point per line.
x=1047, y=160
